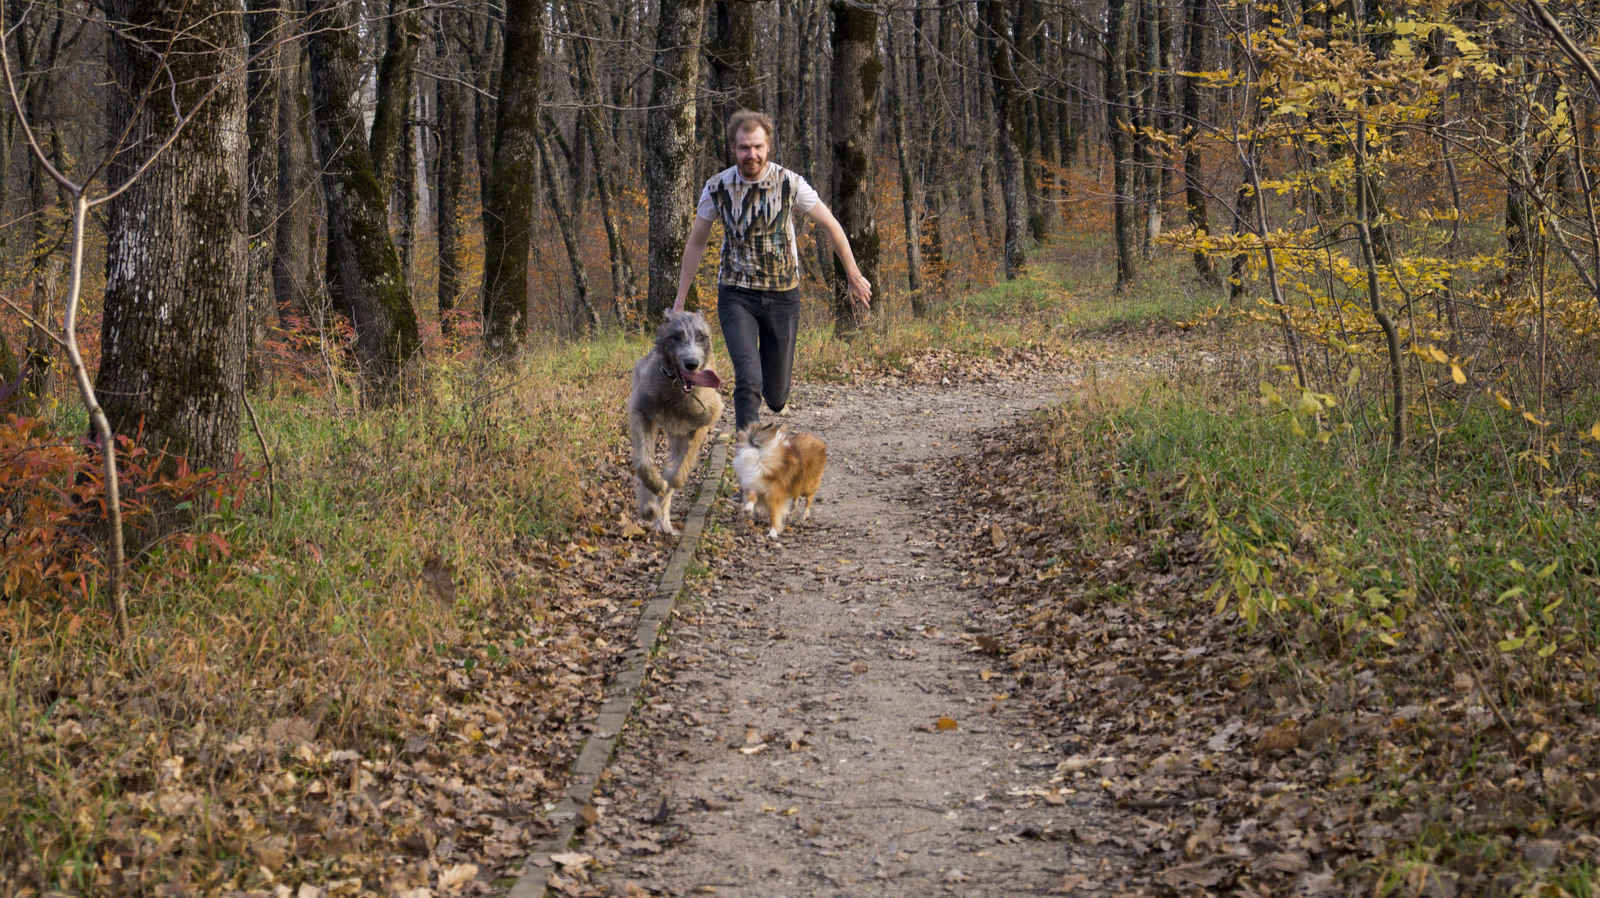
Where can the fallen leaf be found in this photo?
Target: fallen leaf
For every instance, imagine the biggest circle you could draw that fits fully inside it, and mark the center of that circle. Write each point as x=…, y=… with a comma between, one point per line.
x=1201, y=838
x=1188, y=876
x=1285, y=737
x=572, y=859
x=946, y=723
x=1070, y=883
x=1287, y=862
x=458, y=875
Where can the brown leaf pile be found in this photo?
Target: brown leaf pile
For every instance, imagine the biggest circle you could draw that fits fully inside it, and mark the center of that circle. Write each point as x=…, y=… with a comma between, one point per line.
x=1267, y=762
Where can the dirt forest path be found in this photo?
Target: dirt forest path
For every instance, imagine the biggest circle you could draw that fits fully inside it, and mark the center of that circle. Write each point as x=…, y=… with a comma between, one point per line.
x=819, y=721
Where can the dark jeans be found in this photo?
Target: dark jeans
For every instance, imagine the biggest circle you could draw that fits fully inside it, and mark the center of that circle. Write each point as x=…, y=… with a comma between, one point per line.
x=759, y=329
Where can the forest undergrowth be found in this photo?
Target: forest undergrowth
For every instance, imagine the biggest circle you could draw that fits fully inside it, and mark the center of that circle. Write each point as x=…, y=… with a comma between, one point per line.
x=1299, y=663
x=1294, y=656
x=361, y=667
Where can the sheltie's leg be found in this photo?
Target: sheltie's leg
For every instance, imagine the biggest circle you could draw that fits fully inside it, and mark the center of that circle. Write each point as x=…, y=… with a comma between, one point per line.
x=775, y=513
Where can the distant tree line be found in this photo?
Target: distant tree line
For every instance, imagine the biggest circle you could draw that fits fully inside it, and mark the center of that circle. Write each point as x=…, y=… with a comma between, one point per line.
x=376, y=171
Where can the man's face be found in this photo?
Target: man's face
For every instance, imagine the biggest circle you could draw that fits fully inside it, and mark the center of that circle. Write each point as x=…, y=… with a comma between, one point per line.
x=750, y=152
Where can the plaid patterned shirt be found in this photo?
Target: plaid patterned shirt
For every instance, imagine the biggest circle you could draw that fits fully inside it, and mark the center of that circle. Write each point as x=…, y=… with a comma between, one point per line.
x=758, y=246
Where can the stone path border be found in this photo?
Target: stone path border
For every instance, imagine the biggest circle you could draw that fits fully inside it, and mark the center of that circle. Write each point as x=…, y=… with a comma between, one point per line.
x=623, y=690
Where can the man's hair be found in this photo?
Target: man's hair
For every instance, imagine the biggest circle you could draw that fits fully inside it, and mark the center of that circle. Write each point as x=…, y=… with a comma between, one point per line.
x=748, y=120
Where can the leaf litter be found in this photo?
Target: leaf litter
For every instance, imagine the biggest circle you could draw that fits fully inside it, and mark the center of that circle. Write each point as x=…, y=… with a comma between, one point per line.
x=1258, y=763
x=438, y=785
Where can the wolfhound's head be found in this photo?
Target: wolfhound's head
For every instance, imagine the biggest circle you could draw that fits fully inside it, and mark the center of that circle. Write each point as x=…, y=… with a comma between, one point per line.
x=684, y=343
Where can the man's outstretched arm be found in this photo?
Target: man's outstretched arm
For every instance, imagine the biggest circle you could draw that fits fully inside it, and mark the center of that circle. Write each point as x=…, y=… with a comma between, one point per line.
x=856, y=285
x=693, y=250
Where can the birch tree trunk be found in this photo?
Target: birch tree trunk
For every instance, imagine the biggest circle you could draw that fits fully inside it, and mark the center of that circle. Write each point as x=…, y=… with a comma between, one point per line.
x=172, y=347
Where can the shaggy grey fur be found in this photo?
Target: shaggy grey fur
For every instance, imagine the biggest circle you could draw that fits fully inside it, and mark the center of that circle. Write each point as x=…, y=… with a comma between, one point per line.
x=665, y=398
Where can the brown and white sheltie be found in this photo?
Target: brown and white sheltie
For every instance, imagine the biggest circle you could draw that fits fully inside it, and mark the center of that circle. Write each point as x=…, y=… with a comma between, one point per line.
x=777, y=468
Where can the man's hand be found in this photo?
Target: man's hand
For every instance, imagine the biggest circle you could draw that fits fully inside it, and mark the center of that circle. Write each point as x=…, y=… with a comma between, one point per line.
x=859, y=290
x=857, y=287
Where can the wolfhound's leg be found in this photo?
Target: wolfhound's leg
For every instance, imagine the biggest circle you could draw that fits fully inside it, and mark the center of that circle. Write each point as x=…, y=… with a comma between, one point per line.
x=681, y=453
x=664, y=523
x=643, y=433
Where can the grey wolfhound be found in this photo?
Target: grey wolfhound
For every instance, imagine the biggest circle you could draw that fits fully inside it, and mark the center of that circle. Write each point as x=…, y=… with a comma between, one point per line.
x=674, y=390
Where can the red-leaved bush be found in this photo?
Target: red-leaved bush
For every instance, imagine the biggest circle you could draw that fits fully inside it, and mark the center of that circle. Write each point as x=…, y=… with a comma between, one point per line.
x=53, y=512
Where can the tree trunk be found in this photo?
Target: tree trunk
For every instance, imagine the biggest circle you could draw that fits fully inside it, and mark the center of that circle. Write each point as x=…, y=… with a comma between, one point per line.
x=508, y=207
x=448, y=199
x=623, y=290
x=909, y=192
x=569, y=234
x=394, y=88
x=1193, y=185
x=732, y=57
x=856, y=71
x=1026, y=127
x=405, y=196
x=1118, y=34
x=293, y=259
x=1165, y=105
x=1008, y=111
x=38, y=99
x=1141, y=95
x=265, y=20
x=938, y=157
x=485, y=52
x=365, y=278
x=669, y=150
x=811, y=113
x=172, y=347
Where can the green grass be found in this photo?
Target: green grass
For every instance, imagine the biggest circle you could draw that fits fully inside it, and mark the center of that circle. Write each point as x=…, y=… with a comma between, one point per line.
x=1381, y=537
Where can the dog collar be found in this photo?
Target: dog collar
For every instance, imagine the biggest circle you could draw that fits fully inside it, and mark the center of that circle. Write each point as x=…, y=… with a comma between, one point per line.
x=673, y=376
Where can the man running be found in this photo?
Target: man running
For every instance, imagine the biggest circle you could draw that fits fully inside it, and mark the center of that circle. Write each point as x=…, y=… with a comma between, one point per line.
x=758, y=282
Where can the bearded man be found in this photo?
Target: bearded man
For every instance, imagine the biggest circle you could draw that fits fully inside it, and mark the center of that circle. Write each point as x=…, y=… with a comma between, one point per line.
x=758, y=282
